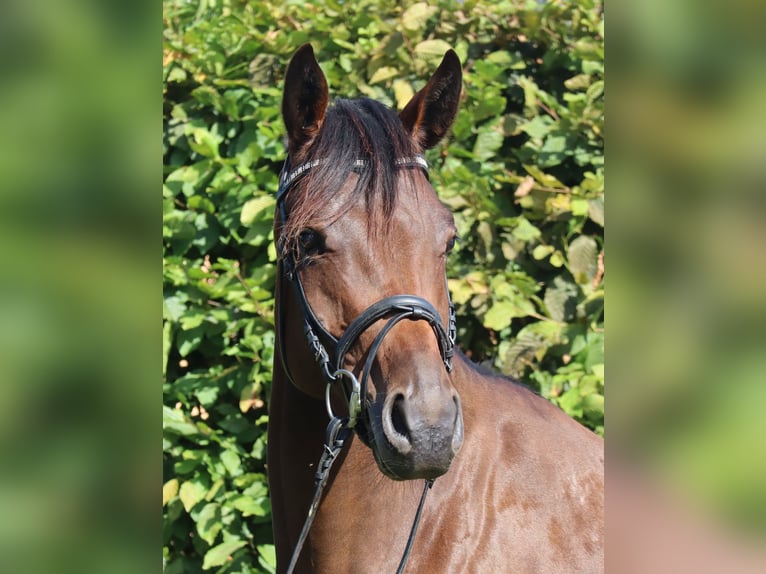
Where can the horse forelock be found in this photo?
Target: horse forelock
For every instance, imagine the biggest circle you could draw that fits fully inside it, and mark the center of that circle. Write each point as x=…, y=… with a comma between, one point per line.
x=359, y=129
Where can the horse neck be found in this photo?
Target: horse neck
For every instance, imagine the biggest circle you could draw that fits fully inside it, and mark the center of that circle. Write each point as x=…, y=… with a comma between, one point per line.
x=480, y=393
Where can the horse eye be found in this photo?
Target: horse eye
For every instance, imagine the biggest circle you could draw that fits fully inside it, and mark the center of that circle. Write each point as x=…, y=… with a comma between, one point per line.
x=311, y=242
x=451, y=243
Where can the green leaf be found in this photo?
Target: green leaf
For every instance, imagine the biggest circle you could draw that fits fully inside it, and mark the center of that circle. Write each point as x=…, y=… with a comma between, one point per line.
x=596, y=210
x=579, y=206
x=169, y=490
x=557, y=259
x=414, y=18
x=542, y=251
x=525, y=231
x=209, y=522
x=571, y=402
x=554, y=144
x=593, y=67
x=561, y=299
x=218, y=555
x=174, y=307
x=461, y=290
x=403, y=93
x=267, y=556
x=191, y=320
x=176, y=75
x=490, y=106
x=207, y=395
x=432, y=48
x=598, y=370
x=544, y=178
x=256, y=206
x=205, y=142
x=538, y=127
x=595, y=90
x=250, y=506
x=185, y=467
x=174, y=421
x=487, y=143
x=578, y=82
x=192, y=492
x=189, y=340
x=184, y=178
x=230, y=460
x=593, y=407
x=501, y=57
x=199, y=203
x=595, y=354
x=499, y=316
x=259, y=233
x=530, y=343
x=582, y=254
x=167, y=342
x=384, y=73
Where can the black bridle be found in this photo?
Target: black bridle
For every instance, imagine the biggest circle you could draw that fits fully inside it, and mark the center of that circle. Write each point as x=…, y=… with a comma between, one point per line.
x=330, y=351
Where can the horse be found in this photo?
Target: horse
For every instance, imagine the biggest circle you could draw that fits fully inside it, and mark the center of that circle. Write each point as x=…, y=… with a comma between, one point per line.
x=366, y=337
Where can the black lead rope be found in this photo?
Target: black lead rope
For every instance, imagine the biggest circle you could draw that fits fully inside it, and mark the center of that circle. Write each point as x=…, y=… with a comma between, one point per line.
x=337, y=433
x=429, y=483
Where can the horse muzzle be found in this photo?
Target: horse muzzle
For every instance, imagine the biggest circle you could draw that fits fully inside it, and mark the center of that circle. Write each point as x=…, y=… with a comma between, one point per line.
x=417, y=431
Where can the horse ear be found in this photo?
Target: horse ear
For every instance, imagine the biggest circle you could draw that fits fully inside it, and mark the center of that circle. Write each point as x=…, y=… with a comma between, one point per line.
x=304, y=100
x=431, y=111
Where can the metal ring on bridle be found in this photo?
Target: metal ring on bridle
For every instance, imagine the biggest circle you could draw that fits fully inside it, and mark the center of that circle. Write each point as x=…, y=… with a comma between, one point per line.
x=354, y=398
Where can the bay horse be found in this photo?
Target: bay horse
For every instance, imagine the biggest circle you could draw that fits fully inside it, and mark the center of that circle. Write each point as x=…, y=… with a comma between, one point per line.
x=365, y=329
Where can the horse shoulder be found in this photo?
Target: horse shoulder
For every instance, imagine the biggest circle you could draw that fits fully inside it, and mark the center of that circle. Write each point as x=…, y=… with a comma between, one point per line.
x=529, y=481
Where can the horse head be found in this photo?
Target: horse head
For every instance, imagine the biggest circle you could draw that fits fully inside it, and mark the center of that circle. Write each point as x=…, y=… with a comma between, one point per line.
x=363, y=239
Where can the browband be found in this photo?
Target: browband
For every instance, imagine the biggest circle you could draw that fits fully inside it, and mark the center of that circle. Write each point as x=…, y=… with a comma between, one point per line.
x=288, y=177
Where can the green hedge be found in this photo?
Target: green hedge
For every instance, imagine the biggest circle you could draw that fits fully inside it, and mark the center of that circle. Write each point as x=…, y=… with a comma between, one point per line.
x=523, y=173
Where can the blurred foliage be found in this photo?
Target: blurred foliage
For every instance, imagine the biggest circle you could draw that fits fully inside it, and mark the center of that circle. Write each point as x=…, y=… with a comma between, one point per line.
x=523, y=172
x=79, y=300
x=687, y=300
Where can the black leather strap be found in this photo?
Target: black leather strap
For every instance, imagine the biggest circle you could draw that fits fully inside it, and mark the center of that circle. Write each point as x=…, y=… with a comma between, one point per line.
x=403, y=306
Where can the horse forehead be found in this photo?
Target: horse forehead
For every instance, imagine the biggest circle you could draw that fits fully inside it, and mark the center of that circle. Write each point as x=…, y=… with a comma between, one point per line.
x=417, y=202
x=417, y=226
x=417, y=210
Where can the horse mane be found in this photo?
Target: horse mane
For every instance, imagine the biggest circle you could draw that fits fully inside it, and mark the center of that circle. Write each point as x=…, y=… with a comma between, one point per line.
x=356, y=129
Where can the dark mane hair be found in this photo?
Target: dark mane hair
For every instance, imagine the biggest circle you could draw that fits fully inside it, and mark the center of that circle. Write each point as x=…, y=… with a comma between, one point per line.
x=358, y=129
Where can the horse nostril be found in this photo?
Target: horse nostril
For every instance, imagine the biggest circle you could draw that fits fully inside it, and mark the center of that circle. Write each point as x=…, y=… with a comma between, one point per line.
x=398, y=418
x=395, y=427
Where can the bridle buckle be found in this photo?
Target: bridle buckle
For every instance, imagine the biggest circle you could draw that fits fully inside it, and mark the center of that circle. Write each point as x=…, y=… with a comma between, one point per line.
x=354, y=396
